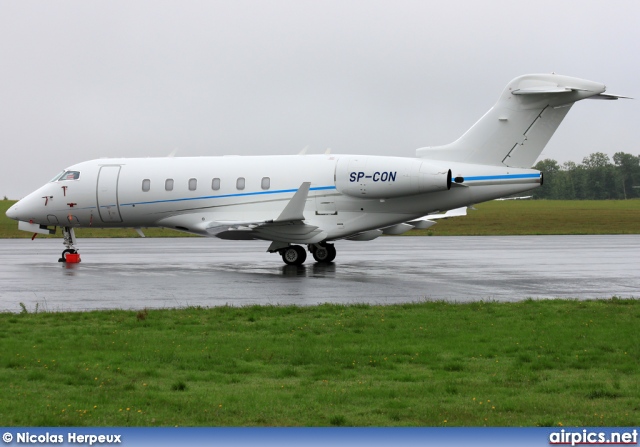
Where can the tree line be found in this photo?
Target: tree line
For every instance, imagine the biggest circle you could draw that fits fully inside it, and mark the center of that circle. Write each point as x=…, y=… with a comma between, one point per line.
x=596, y=178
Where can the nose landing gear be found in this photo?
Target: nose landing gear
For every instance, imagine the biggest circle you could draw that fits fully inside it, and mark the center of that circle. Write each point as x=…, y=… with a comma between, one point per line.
x=69, y=255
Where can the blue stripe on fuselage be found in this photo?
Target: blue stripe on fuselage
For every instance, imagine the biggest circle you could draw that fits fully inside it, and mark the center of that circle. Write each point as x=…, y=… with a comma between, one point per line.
x=500, y=177
x=245, y=194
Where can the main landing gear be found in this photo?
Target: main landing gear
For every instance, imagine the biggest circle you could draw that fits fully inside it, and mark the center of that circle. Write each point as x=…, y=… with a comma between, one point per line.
x=69, y=255
x=296, y=254
x=324, y=253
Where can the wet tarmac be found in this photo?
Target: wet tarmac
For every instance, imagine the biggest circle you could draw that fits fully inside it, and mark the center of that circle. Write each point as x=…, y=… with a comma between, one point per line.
x=163, y=273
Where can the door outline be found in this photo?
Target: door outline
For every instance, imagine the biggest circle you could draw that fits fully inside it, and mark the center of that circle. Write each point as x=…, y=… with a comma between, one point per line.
x=326, y=206
x=107, y=194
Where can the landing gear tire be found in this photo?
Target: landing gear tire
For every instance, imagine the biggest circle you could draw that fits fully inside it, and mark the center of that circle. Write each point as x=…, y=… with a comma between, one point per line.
x=325, y=254
x=294, y=255
x=63, y=258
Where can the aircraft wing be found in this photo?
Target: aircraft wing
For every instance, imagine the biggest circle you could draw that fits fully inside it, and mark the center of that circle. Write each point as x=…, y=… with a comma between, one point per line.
x=457, y=212
x=292, y=232
x=513, y=198
x=419, y=224
x=288, y=227
x=429, y=220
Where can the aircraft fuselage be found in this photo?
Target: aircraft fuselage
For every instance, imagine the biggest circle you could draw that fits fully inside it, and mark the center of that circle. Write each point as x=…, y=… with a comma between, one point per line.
x=348, y=193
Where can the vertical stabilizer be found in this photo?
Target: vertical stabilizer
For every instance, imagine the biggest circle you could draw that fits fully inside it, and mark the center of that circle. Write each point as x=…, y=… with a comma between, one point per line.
x=517, y=128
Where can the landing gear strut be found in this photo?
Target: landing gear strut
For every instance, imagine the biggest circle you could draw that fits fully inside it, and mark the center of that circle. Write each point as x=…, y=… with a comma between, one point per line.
x=69, y=254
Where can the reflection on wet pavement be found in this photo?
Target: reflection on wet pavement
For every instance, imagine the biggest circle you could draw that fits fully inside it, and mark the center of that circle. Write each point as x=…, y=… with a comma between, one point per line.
x=156, y=273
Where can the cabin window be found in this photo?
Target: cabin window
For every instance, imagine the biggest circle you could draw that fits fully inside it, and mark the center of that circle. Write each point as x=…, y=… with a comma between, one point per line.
x=168, y=184
x=193, y=184
x=215, y=184
x=146, y=185
x=266, y=183
x=240, y=183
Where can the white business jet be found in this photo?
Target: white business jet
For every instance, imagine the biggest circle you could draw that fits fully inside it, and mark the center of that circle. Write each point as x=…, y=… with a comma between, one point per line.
x=312, y=200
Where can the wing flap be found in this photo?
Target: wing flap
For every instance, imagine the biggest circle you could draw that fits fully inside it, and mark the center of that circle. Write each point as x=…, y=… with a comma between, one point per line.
x=299, y=233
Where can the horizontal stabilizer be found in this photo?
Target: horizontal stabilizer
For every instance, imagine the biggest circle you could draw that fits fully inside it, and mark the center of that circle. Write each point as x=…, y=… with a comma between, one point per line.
x=541, y=90
x=609, y=97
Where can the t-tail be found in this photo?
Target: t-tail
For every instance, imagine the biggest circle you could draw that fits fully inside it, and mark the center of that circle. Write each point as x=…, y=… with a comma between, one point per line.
x=516, y=129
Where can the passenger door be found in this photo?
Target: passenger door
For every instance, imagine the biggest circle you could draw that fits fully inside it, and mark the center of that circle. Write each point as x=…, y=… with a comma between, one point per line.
x=107, y=194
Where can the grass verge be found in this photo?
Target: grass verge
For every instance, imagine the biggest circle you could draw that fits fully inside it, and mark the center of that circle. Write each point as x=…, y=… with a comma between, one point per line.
x=533, y=217
x=532, y=363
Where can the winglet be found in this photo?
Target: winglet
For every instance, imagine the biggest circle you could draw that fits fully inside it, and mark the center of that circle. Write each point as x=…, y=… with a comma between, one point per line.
x=295, y=208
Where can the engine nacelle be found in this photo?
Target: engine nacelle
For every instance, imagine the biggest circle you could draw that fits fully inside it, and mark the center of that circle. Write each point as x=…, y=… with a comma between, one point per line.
x=385, y=177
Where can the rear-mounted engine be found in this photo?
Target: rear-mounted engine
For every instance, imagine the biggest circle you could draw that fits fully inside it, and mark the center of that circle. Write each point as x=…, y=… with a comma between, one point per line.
x=386, y=177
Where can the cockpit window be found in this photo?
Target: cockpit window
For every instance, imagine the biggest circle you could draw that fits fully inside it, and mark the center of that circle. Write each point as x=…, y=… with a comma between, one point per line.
x=58, y=175
x=69, y=175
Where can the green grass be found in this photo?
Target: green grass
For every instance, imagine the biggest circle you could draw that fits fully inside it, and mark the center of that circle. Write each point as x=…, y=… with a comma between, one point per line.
x=510, y=217
x=532, y=363
x=532, y=217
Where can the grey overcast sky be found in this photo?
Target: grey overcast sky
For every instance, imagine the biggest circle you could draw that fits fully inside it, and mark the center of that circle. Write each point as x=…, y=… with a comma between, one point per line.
x=82, y=80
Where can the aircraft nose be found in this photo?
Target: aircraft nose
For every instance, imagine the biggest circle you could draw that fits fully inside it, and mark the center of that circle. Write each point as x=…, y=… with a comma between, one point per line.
x=12, y=212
